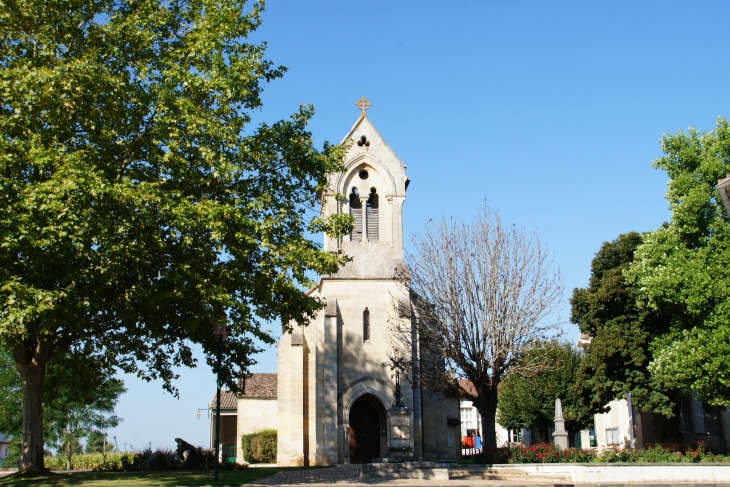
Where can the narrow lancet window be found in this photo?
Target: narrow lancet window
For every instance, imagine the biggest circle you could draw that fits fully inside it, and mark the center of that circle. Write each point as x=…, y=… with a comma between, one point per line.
x=366, y=325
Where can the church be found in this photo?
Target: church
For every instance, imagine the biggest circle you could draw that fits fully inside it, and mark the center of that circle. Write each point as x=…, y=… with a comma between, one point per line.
x=333, y=400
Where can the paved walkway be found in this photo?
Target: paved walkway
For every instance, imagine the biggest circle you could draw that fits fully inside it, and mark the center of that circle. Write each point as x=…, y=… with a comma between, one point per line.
x=347, y=475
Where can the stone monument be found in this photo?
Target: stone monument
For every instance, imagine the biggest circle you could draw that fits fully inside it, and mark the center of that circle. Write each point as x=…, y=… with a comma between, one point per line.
x=400, y=417
x=560, y=437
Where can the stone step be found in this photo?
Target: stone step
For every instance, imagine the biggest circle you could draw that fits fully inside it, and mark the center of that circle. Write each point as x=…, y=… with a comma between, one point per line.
x=498, y=474
x=446, y=471
x=395, y=472
x=411, y=465
x=426, y=464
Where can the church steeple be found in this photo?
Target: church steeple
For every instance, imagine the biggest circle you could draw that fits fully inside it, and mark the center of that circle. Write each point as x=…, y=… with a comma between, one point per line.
x=374, y=187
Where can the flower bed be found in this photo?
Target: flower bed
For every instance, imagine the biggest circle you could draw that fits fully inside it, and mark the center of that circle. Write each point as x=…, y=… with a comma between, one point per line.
x=548, y=453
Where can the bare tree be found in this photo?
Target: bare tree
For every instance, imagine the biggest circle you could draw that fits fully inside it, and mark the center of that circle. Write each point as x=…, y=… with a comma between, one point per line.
x=482, y=294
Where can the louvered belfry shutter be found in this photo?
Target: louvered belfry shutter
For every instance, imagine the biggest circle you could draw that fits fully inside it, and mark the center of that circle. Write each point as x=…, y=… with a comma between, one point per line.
x=373, y=217
x=373, y=224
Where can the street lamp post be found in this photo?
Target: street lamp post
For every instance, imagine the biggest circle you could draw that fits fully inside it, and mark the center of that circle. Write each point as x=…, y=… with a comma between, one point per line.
x=220, y=331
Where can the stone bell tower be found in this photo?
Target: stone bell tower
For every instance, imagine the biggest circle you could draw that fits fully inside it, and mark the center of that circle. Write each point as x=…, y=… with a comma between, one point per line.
x=372, y=189
x=335, y=399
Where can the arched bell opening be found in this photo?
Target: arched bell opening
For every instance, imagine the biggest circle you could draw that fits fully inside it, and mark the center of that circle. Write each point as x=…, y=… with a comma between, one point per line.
x=356, y=211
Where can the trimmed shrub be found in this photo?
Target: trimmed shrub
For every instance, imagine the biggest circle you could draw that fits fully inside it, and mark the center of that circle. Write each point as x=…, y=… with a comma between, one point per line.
x=12, y=459
x=260, y=447
x=616, y=454
x=659, y=455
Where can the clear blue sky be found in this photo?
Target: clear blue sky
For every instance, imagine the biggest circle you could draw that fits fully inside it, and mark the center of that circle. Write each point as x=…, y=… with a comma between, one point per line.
x=551, y=111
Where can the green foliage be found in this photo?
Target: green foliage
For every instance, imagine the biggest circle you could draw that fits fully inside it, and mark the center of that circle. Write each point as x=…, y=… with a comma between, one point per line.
x=260, y=447
x=529, y=401
x=681, y=269
x=657, y=454
x=539, y=453
x=548, y=453
x=11, y=395
x=617, y=454
x=133, y=461
x=617, y=358
x=12, y=459
x=80, y=394
x=136, y=202
x=70, y=441
x=95, y=443
x=80, y=403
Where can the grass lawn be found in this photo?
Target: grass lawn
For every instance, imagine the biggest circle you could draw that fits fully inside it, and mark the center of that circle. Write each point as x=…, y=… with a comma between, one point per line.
x=161, y=478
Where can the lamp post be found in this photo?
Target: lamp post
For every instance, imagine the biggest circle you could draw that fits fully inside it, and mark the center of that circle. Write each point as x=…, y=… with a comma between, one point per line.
x=219, y=328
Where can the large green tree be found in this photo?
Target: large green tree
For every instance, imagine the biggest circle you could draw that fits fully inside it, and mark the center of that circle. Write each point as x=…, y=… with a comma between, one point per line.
x=528, y=401
x=617, y=359
x=137, y=205
x=681, y=269
x=80, y=394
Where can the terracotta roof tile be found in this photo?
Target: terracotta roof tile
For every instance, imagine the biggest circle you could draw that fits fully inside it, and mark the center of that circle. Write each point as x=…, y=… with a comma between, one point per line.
x=260, y=385
x=228, y=400
x=257, y=385
x=468, y=387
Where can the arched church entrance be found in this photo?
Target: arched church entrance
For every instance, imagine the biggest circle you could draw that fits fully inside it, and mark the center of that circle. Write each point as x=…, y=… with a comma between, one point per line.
x=367, y=417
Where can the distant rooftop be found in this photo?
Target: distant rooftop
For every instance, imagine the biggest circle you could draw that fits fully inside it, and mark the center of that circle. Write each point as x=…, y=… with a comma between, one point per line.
x=260, y=385
x=468, y=387
x=256, y=386
x=228, y=400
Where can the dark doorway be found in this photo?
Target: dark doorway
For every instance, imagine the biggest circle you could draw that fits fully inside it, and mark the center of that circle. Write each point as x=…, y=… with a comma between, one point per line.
x=364, y=431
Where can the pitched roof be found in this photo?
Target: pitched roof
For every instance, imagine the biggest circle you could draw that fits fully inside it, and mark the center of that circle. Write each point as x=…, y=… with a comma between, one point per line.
x=260, y=385
x=256, y=385
x=228, y=400
x=468, y=387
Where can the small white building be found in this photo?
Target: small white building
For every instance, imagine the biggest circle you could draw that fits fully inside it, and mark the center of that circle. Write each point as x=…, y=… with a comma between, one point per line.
x=253, y=411
x=624, y=426
x=472, y=420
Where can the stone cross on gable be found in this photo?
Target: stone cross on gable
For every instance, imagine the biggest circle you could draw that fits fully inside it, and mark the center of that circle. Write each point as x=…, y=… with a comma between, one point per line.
x=363, y=104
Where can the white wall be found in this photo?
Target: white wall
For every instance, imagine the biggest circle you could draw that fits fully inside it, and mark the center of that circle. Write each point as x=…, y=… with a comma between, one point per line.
x=617, y=418
x=255, y=414
x=470, y=418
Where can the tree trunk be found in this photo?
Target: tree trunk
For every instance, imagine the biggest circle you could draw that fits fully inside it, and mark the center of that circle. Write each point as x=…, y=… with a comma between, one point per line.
x=68, y=455
x=32, y=447
x=487, y=407
x=32, y=367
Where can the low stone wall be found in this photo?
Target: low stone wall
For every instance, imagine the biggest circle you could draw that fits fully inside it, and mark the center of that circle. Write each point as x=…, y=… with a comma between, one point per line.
x=627, y=472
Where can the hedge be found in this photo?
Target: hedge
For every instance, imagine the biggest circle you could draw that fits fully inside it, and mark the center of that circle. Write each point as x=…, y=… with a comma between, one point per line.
x=12, y=459
x=260, y=447
x=133, y=461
